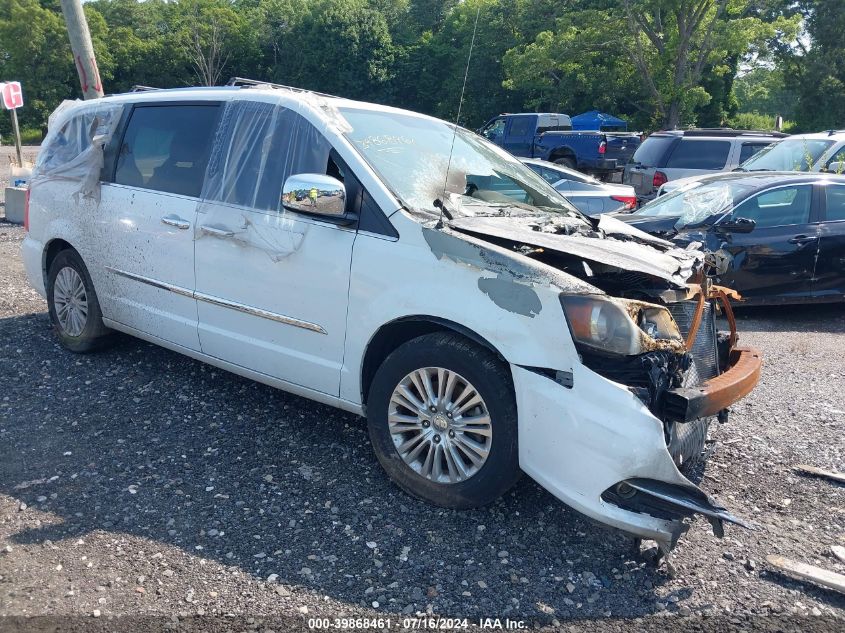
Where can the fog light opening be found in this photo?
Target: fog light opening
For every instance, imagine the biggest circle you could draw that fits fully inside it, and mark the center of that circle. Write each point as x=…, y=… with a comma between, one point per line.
x=625, y=491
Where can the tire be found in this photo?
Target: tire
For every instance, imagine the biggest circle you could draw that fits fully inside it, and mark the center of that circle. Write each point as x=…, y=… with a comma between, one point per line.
x=71, y=294
x=567, y=162
x=448, y=359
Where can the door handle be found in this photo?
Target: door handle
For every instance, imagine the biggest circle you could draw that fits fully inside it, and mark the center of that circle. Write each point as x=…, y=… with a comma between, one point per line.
x=217, y=231
x=175, y=220
x=802, y=239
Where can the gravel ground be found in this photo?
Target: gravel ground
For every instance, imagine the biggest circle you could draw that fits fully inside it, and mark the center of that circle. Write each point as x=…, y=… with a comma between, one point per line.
x=138, y=482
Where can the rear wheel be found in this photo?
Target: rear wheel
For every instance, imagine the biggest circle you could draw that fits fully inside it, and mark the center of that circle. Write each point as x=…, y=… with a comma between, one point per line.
x=442, y=420
x=73, y=305
x=567, y=162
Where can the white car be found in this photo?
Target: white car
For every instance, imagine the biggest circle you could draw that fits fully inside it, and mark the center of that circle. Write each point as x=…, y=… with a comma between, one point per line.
x=324, y=246
x=819, y=152
x=589, y=195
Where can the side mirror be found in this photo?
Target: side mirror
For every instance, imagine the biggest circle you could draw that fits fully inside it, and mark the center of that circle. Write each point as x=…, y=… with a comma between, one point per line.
x=316, y=194
x=835, y=167
x=737, y=225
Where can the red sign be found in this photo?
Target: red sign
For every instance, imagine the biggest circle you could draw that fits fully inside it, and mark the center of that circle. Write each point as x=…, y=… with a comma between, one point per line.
x=12, y=95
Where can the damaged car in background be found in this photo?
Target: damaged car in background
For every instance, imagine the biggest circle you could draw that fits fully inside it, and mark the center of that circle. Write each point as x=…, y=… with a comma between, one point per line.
x=775, y=237
x=366, y=257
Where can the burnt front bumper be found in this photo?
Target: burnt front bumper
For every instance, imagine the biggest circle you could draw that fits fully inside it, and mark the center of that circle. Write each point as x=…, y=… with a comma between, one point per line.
x=684, y=404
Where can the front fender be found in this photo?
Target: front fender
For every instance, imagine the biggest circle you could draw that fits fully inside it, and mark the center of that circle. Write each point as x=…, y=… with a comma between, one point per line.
x=503, y=297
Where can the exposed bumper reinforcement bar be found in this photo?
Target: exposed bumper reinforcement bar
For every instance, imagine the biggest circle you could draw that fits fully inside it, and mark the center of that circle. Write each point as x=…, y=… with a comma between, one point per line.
x=671, y=502
x=690, y=403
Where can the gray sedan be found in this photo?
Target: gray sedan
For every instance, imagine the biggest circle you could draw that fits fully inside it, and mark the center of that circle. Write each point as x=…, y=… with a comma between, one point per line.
x=589, y=195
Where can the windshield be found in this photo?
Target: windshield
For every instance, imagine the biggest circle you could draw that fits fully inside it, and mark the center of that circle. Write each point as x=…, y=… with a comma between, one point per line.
x=411, y=154
x=696, y=202
x=791, y=154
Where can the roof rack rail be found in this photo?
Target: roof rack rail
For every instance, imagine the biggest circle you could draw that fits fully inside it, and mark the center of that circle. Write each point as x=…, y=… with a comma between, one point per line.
x=726, y=131
x=243, y=82
x=140, y=88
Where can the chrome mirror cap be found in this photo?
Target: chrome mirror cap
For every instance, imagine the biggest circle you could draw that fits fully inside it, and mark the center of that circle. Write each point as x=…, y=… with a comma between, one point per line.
x=314, y=193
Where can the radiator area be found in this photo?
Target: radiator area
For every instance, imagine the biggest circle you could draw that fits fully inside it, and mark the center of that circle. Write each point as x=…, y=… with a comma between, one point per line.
x=704, y=352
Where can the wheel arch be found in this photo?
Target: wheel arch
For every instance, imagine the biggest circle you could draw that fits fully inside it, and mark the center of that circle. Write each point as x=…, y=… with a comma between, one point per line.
x=51, y=250
x=562, y=152
x=394, y=333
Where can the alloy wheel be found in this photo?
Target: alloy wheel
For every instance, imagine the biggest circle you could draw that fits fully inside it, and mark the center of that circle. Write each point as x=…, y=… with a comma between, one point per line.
x=440, y=425
x=70, y=301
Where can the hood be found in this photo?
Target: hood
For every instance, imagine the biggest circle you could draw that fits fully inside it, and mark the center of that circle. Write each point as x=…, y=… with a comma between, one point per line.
x=660, y=226
x=604, y=246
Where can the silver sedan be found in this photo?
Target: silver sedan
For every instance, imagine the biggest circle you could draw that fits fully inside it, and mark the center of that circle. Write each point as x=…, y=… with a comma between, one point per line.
x=589, y=195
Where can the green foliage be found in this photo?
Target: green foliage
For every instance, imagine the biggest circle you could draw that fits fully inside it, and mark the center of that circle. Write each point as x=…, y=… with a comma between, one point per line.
x=30, y=136
x=34, y=50
x=579, y=66
x=347, y=50
x=757, y=121
x=817, y=75
x=653, y=62
x=763, y=90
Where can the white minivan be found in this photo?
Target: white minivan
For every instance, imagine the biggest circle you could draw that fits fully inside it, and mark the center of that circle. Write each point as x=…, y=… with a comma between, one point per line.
x=366, y=257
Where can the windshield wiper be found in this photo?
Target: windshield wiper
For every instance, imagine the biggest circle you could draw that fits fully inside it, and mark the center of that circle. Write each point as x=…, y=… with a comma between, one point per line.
x=438, y=204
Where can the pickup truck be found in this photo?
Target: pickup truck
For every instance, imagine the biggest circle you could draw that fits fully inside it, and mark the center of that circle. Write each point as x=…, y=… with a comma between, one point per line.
x=549, y=136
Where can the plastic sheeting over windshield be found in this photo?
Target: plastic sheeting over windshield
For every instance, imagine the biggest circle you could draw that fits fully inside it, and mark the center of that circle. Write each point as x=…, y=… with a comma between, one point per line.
x=258, y=146
x=73, y=148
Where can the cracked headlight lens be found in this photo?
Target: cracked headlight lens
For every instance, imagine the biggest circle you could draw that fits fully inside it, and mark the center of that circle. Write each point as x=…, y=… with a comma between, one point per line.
x=620, y=326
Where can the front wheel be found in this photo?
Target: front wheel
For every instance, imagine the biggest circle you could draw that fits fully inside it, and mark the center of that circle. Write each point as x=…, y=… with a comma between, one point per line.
x=443, y=422
x=73, y=305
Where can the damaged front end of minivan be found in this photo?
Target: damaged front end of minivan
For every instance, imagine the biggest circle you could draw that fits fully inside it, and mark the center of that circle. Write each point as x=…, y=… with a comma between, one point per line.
x=654, y=373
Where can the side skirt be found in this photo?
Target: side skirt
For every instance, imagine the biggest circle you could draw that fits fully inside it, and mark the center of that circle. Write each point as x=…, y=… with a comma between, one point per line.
x=296, y=390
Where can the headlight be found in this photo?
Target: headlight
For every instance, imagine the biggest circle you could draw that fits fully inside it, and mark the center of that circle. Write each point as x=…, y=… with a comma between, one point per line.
x=621, y=326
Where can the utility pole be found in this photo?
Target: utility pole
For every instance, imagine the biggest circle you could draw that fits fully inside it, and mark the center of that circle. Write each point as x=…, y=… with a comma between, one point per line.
x=83, y=49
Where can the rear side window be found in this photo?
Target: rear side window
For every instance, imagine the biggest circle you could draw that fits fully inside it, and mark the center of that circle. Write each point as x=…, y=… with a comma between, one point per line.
x=551, y=176
x=699, y=154
x=165, y=148
x=521, y=126
x=749, y=149
x=542, y=171
x=652, y=151
x=835, y=195
x=63, y=149
x=576, y=185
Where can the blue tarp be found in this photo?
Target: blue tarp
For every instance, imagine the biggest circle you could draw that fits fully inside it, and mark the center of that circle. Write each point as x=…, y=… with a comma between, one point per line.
x=595, y=120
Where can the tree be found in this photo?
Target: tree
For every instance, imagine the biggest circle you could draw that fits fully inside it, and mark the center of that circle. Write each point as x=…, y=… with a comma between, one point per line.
x=655, y=62
x=347, y=50
x=672, y=42
x=763, y=90
x=579, y=66
x=817, y=72
x=447, y=53
x=34, y=49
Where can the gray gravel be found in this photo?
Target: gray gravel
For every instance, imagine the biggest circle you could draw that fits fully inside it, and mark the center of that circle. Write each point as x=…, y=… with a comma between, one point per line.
x=137, y=481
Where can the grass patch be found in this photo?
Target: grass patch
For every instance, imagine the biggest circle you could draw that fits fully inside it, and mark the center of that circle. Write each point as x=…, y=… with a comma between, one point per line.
x=31, y=136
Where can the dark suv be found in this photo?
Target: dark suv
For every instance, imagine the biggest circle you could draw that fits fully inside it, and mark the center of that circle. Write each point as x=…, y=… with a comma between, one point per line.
x=674, y=154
